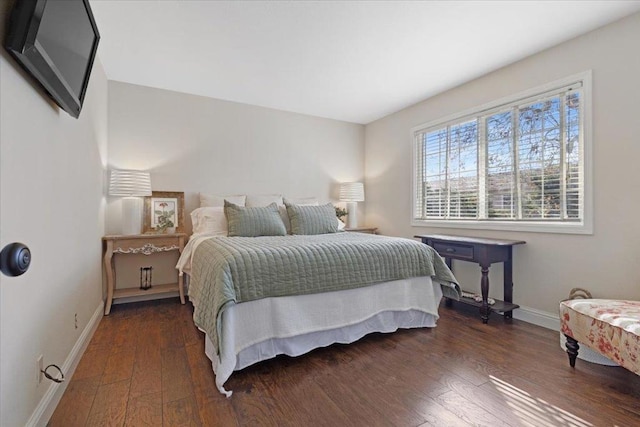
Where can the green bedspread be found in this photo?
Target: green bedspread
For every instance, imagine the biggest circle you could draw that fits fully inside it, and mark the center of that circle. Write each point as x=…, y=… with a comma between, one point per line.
x=228, y=270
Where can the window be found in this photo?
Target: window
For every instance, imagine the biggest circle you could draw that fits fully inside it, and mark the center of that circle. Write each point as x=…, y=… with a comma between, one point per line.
x=516, y=164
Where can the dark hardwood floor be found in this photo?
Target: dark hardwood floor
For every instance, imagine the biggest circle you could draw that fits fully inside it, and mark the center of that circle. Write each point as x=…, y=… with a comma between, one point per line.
x=146, y=366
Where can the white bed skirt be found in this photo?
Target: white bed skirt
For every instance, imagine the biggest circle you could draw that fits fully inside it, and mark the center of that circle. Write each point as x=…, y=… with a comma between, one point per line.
x=259, y=330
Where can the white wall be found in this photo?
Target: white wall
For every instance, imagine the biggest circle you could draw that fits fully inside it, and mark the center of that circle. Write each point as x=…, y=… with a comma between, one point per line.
x=197, y=144
x=51, y=181
x=549, y=265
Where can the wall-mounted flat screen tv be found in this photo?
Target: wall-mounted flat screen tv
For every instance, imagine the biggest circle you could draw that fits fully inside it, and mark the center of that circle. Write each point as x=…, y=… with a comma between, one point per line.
x=55, y=41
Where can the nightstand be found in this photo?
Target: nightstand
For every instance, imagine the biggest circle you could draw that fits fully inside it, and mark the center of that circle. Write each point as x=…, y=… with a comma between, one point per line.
x=146, y=244
x=366, y=230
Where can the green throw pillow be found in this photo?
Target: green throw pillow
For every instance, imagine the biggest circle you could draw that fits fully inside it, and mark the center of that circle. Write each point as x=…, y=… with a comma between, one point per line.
x=312, y=219
x=254, y=221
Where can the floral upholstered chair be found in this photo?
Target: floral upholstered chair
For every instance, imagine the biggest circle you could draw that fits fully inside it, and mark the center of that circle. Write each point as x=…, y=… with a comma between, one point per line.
x=610, y=327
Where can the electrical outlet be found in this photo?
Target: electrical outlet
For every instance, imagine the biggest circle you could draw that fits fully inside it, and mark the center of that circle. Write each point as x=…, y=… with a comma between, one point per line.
x=39, y=369
x=75, y=321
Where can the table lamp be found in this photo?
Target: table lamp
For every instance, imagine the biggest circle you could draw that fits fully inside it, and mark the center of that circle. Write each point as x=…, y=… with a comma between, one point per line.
x=352, y=193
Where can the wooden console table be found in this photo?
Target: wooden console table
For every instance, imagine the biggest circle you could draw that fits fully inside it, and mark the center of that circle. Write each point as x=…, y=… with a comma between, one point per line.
x=484, y=252
x=145, y=244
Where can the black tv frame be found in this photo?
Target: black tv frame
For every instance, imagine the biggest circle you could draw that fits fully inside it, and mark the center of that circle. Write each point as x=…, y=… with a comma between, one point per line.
x=22, y=45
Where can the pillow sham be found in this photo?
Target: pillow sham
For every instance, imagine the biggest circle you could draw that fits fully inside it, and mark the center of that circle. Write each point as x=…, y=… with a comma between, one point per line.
x=253, y=221
x=209, y=220
x=312, y=219
x=306, y=201
x=209, y=200
x=262, y=200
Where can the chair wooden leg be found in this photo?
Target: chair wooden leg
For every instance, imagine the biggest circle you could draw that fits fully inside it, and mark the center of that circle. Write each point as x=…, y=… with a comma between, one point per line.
x=572, y=350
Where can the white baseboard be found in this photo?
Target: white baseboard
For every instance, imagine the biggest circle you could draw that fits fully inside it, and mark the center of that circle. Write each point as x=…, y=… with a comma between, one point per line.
x=537, y=317
x=54, y=393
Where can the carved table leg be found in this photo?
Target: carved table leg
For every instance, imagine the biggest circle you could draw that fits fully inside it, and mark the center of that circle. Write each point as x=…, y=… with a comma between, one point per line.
x=484, y=286
x=572, y=350
x=508, y=284
x=108, y=265
x=181, y=288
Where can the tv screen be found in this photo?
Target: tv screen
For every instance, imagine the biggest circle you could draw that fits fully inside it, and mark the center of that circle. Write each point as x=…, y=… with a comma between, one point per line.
x=56, y=41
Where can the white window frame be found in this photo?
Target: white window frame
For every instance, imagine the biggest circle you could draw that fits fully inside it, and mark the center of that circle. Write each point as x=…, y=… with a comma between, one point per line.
x=585, y=226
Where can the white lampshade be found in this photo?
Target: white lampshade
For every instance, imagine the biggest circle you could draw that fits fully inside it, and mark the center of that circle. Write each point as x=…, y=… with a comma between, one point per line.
x=131, y=185
x=128, y=183
x=352, y=192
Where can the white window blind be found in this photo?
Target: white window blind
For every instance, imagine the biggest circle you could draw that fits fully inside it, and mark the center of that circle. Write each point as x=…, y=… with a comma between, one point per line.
x=521, y=160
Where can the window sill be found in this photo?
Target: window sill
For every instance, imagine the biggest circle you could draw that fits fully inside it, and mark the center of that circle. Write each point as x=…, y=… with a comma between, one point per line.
x=533, y=227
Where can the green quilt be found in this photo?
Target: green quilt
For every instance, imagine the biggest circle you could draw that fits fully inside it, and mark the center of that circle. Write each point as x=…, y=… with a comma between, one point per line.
x=227, y=270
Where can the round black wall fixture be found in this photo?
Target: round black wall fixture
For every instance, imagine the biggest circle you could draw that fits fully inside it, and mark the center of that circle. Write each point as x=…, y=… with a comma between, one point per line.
x=15, y=259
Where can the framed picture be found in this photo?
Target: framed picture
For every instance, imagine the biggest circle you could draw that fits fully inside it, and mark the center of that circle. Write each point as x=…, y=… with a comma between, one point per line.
x=164, y=210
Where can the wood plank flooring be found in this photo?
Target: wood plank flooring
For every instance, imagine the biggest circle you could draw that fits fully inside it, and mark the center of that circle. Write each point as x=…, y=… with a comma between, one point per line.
x=146, y=365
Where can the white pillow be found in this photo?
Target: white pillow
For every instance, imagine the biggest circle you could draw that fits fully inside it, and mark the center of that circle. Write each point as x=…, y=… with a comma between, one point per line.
x=303, y=201
x=209, y=220
x=262, y=200
x=341, y=225
x=209, y=200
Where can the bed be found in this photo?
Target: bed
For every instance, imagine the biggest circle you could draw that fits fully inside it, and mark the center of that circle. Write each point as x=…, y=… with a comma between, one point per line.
x=384, y=284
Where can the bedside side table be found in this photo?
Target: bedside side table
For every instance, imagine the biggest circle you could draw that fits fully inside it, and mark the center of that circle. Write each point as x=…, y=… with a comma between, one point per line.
x=366, y=230
x=146, y=244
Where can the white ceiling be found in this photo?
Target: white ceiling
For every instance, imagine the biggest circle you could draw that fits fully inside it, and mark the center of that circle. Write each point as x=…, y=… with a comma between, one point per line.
x=355, y=61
